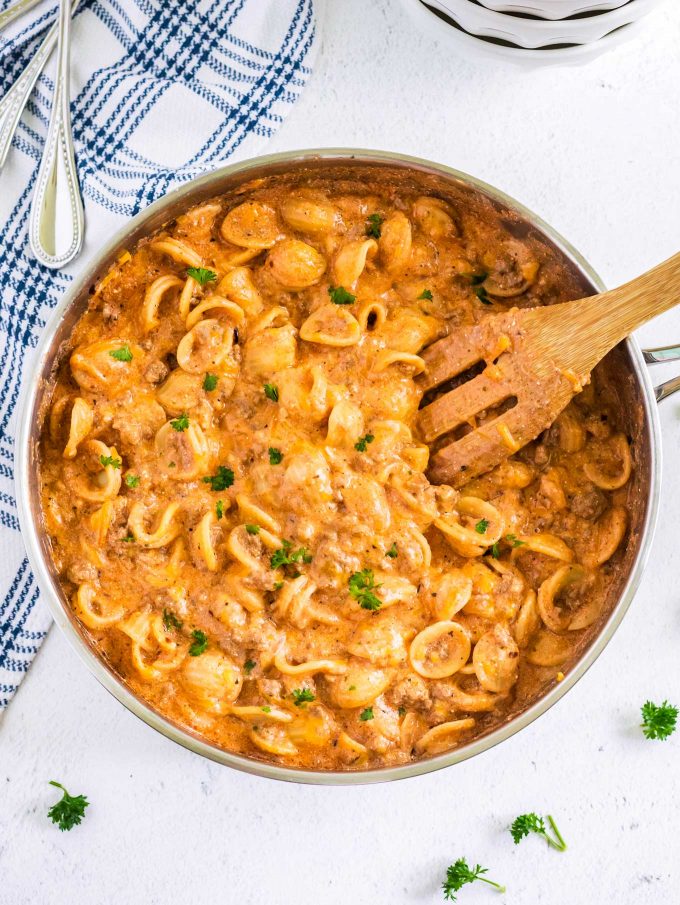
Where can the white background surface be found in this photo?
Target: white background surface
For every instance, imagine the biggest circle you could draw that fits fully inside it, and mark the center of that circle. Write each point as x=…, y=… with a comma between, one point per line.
x=596, y=152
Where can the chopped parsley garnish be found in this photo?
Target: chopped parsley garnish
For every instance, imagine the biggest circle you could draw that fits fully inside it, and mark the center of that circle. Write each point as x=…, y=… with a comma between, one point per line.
x=373, y=226
x=210, y=382
x=284, y=557
x=482, y=295
x=302, y=695
x=275, y=456
x=363, y=442
x=402, y=711
x=266, y=709
x=132, y=480
x=171, y=621
x=496, y=550
x=477, y=278
x=366, y=714
x=180, y=424
x=249, y=666
x=222, y=480
x=271, y=392
x=278, y=585
x=202, y=275
x=199, y=643
x=129, y=539
x=122, y=354
x=109, y=460
x=392, y=552
x=459, y=874
x=340, y=296
x=69, y=810
x=361, y=587
x=659, y=720
x=514, y=541
x=426, y=294
x=482, y=525
x=532, y=823
x=253, y=529
x=219, y=509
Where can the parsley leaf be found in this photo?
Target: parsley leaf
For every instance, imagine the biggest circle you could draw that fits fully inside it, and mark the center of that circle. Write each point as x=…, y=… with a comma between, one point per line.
x=393, y=552
x=458, y=874
x=302, y=695
x=69, y=810
x=496, y=550
x=366, y=714
x=109, y=460
x=271, y=392
x=532, y=823
x=199, y=644
x=122, y=354
x=426, y=294
x=477, y=278
x=482, y=295
x=266, y=709
x=275, y=456
x=209, y=382
x=482, y=525
x=284, y=557
x=373, y=226
x=132, y=480
x=659, y=720
x=253, y=529
x=514, y=541
x=363, y=442
x=202, y=275
x=361, y=587
x=171, y=621
x=128, y=539
x=180, y=424
x=340, y=296
x=219, y=509
x=222, y=480
x=249, y=666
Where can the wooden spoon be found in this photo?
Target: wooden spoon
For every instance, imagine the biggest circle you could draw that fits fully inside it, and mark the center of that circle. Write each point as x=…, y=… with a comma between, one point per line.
x=536, y=359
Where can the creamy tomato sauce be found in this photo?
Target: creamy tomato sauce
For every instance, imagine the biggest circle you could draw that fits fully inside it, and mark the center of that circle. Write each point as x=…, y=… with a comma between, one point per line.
x=237, y=499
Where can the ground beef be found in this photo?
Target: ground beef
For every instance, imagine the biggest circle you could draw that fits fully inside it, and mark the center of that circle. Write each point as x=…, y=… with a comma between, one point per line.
x=81, y=570
x=411, y=692
x=589, y=505
x=156, y=371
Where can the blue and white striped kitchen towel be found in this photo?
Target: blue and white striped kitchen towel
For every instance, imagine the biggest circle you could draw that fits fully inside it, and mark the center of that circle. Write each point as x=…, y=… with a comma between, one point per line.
x=162, y=91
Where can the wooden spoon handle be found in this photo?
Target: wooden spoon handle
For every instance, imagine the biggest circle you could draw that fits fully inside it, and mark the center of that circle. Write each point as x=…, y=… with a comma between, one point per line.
x=604, y=320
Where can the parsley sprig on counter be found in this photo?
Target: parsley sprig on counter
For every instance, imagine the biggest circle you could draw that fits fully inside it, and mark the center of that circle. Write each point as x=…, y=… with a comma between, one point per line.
x=658, y=720
x=361, y=587
x=69, y=810
x=532, y=823
x=460, y=873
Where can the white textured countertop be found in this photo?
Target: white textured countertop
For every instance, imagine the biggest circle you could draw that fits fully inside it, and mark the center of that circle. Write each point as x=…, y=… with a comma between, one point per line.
x=596, y=152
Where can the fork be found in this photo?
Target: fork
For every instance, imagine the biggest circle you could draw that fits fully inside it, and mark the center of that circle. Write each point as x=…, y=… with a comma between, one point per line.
x=15, y=10
x=56, y=223
x=535, y=361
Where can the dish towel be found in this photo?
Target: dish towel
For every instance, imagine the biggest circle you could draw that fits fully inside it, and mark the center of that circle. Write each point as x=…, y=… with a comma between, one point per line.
x=162, y=90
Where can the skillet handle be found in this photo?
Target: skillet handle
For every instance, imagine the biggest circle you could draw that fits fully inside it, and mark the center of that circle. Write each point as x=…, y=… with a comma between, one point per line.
x=659, y=356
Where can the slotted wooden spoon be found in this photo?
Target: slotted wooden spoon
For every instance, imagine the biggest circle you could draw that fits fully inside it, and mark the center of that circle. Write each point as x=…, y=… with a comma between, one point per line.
x=540, y=357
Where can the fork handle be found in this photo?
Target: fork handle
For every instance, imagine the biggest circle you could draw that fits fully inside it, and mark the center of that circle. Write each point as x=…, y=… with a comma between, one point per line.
x=15, y=10
x=57, y=221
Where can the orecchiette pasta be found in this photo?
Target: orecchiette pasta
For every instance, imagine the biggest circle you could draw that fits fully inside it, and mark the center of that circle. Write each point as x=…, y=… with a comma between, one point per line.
x=235, y=487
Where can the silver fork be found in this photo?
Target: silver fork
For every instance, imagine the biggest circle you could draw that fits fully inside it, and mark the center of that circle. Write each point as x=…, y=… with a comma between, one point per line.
x=56, y=224
x=13, y=102
x=15, y=10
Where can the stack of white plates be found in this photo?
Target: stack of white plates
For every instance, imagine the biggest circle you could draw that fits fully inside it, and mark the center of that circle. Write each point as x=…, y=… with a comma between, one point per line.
x=533, y=31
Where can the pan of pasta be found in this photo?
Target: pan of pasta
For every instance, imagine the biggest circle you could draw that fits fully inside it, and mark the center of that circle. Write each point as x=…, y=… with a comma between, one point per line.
x=226, y=502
